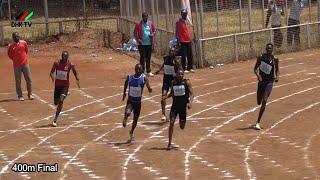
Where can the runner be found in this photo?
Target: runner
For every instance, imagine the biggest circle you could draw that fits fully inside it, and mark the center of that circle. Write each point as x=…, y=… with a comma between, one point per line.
x=267, y=71
x=182, y=94
x=136, y=83
x=170, y=67
x=62, y=69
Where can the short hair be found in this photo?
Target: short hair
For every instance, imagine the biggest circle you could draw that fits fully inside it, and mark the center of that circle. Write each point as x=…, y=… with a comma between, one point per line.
x=184, y=10
x=269, y=44
x=144, y=14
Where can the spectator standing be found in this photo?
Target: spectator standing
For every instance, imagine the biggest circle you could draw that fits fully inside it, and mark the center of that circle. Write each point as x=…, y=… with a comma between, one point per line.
x=18, y=53
x=184, y=38
x=144, y=33
x=275, y=11
x=294, y=19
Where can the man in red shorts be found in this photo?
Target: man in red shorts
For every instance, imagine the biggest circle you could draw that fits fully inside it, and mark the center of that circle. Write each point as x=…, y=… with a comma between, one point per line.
x=62, y=68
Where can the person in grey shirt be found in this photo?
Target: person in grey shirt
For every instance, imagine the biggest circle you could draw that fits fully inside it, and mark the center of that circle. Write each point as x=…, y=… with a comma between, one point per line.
x=294, y=19
x=275, y=11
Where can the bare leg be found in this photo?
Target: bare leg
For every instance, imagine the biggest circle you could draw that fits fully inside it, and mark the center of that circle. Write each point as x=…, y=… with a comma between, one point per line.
x=171, y=126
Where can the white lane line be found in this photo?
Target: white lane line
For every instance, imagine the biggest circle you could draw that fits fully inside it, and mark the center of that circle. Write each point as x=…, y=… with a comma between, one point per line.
x=187, y=157
x=307, y=156
x=37, y=97
x=247, y=149
x=69, y=110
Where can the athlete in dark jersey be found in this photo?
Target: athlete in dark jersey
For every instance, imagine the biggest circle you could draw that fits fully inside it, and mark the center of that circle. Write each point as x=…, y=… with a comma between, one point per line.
x=62, y=69
x=136, y=83
x=182, y=94
x=170, y=67
x=267, y=71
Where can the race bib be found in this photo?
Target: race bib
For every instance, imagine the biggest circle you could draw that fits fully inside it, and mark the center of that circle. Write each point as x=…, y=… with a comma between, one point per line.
x=179, y=90
x=135, y=91
x=168, y=70
x=62, y=75
x=266, y=68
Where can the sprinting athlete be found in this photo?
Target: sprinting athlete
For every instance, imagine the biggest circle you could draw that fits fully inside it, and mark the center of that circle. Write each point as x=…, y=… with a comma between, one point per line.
x=182, y=94
x=170, y=67
x=62, y=68
x=136, y=83
x=267, y=71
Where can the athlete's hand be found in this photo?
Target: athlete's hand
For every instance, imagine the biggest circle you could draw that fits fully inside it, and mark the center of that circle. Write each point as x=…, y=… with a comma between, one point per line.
x=123, y=97
x=150, y=90
x=189, y=105
x=259, y=78
x=78, y=83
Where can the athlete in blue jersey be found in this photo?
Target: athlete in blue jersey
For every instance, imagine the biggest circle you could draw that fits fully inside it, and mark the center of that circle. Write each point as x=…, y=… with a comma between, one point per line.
x=267, y=71
x=136, y=83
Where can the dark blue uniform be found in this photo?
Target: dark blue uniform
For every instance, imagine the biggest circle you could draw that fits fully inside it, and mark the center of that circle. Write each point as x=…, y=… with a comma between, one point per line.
x=180, y=97
x=267, y=72
x=169, y=72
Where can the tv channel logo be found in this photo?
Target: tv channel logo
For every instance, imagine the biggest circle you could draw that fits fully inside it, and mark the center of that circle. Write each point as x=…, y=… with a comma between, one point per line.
x=23, y=19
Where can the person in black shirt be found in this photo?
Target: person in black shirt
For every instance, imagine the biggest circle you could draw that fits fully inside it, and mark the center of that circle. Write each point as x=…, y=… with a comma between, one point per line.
x=170, y=67
x=182, y=95
x=267, y=71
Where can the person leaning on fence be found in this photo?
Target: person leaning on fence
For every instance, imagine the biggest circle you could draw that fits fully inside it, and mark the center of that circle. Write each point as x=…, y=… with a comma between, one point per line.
x=275, y=11
x=184, y=38
x=144, y=33
x=294, y=19
x=18, y=53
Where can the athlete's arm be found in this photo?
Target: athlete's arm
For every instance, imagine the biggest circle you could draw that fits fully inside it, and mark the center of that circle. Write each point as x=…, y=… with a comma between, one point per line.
x=277, y=69
x=74, y=71
x=256, y=68
x=53, y=69
x=157, y=72
x=148, y=84
x=125, y=88
x=190, y=94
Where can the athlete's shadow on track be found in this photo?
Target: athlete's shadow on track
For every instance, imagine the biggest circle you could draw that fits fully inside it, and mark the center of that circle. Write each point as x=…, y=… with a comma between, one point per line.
x=164, y=148
x=158, y=123
x=129, y=143
x=8, y=100
x=49, y=125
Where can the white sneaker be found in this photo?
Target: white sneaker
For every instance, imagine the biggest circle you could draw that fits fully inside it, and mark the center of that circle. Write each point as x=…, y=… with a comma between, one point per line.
x=54, y=124
x=31, y=97
x=21, y=98
x=192, y=70
x=186, y=71
x=150, y=74
x=164, y=118
x=257, y=126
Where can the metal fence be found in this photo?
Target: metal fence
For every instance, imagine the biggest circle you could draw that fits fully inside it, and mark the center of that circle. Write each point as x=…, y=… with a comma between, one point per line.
x=234, y=47
x=60, y=8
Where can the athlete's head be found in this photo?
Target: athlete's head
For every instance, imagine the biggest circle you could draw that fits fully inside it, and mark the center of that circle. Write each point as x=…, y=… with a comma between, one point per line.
x=65, y=56
x=269, y=48
x=15, y=37
x=138, y=69
x=180, y=74
x=184, y=14
x=145, y=17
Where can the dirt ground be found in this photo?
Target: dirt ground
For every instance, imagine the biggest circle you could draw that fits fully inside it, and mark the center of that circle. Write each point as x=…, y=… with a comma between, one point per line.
x=217, y=142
